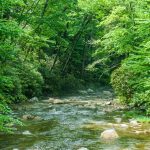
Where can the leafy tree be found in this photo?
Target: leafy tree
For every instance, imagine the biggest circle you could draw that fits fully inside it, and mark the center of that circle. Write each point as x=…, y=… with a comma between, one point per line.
x=53, y=47
x=124, y=50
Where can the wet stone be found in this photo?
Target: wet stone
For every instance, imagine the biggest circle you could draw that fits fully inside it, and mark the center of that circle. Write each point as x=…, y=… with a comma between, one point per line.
x=27, y=117
x=109, y=134
x=134, y=123
x=108, y=103
x=31, y=117
x=34, y=99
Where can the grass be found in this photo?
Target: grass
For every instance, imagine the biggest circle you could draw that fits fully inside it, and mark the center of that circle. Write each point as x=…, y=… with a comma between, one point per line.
x=142, y=118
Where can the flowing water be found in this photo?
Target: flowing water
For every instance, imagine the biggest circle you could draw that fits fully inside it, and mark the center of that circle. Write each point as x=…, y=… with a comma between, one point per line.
x=76, y=123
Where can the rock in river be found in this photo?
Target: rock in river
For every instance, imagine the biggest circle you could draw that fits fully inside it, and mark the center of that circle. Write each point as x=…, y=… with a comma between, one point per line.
x=133, y=123
x=27, y=117
x=108, y=103
x=109, y=134
x=31, y=117
x=37, y=118
x=34, y=99
x=90, y=91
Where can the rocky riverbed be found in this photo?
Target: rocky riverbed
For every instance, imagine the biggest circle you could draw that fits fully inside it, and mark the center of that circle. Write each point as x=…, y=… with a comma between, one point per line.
x=90, y=120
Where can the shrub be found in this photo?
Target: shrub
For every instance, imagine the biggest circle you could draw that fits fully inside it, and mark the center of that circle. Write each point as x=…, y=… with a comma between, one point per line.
x=7, y=121
x=132, y=80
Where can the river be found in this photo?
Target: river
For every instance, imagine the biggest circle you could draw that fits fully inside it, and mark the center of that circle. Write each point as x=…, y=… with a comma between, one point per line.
x=72, y=122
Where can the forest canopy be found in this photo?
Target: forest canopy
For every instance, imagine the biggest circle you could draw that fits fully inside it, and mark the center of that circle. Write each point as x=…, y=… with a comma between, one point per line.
x=51, y=47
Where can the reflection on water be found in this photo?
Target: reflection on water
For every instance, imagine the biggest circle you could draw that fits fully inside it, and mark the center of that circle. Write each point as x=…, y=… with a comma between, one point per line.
x=62, y=128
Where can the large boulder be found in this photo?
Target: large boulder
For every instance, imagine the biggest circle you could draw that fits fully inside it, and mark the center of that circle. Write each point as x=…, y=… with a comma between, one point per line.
x=109, y=134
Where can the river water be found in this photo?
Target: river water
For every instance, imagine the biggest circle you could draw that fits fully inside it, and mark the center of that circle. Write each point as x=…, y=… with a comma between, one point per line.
x=76, y=122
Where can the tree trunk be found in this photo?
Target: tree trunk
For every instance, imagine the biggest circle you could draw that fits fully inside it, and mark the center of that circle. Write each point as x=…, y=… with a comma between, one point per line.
x=76, y=38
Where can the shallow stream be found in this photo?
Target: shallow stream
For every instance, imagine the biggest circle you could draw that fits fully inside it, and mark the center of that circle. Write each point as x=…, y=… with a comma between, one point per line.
x=76, y=123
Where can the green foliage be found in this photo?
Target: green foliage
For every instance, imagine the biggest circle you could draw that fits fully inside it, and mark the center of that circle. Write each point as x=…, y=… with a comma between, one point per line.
x=53, y=47
x=123, y=27
x=19, y=78
x=56, y=84
x=7, y=121
x=143, y=119
x=31, y=80
x=124, y=50
x=136, y=114
x=44, y=48
x=132, y=81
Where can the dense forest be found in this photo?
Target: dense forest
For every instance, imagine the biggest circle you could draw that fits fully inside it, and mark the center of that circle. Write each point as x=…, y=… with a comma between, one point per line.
x=54, y=47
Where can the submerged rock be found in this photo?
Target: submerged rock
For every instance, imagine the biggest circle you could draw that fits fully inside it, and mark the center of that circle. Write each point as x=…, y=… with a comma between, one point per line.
x=109, y=134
